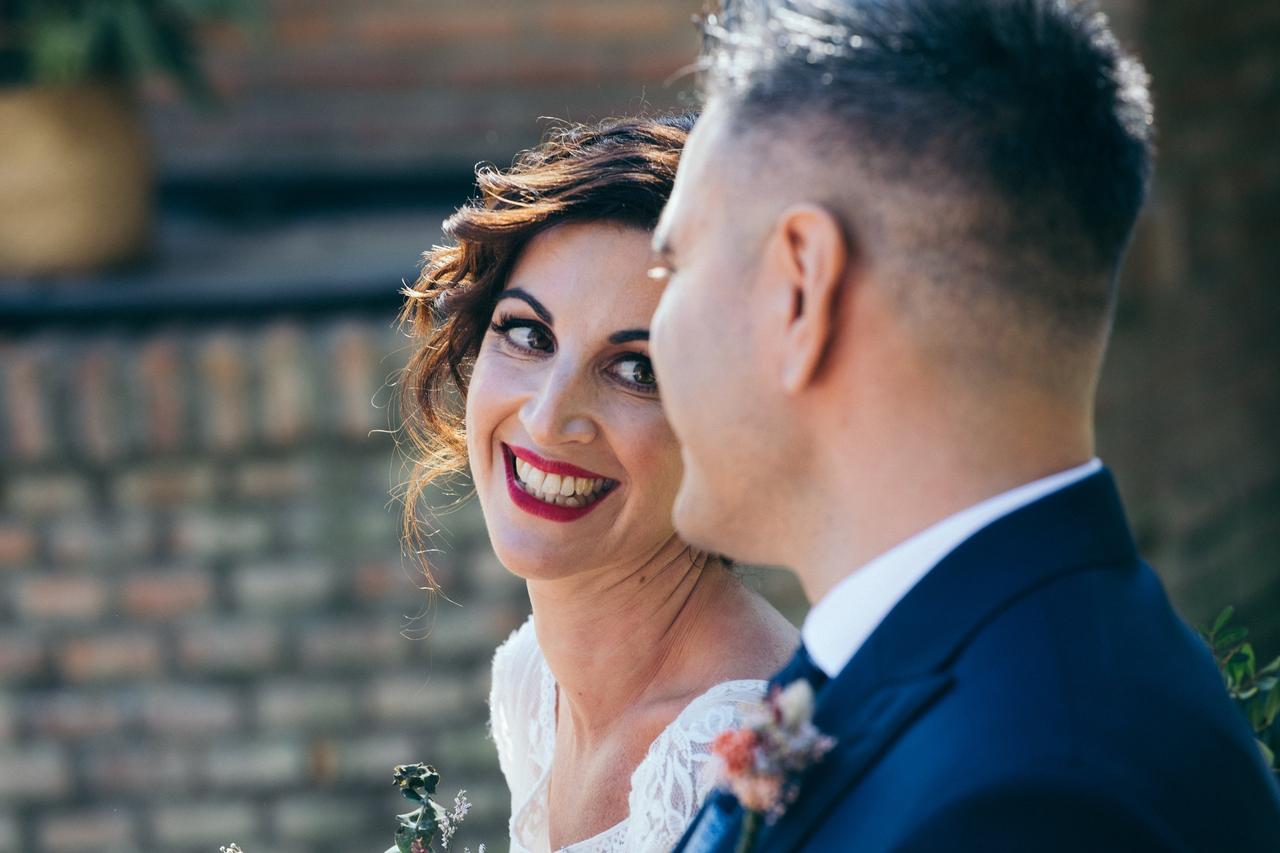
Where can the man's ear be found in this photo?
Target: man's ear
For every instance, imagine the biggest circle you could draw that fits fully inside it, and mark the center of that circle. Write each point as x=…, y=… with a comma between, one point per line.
x=812, y=256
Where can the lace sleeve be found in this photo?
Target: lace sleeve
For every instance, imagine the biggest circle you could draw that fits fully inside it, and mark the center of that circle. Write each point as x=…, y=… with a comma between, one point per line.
x=514, y=698
x=671, y=783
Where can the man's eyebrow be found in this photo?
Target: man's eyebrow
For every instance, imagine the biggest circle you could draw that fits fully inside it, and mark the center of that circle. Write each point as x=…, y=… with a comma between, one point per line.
x=527, y=298
x=626, y=336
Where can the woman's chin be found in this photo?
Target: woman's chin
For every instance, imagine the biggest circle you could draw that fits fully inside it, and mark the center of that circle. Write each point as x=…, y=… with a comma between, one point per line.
x=537, y=560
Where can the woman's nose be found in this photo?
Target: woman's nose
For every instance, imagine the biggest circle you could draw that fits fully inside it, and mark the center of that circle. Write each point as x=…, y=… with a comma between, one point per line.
x=559, y=411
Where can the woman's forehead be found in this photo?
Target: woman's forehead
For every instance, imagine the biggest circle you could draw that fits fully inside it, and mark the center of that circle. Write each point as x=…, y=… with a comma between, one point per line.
x=590, y=272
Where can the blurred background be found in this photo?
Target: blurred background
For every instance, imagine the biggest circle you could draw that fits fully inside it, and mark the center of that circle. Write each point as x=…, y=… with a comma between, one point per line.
x=208, y=629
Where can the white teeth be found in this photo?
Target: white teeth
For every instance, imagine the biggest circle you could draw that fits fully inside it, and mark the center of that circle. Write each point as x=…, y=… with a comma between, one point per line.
x=556, y=488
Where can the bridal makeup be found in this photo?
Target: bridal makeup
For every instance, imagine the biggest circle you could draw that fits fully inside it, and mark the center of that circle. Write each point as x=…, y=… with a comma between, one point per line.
x=553, y=490
x=570, y=451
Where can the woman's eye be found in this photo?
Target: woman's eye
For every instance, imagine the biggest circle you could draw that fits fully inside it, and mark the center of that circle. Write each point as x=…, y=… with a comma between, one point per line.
x=636, y=371
x=525, y=335
x=529, y=337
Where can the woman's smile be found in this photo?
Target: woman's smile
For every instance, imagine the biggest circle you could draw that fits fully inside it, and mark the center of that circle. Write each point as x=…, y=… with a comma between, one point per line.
x=556, y=491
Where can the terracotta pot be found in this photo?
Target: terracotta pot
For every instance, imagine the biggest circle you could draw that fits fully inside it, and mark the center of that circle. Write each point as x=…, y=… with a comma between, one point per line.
x=75, y=179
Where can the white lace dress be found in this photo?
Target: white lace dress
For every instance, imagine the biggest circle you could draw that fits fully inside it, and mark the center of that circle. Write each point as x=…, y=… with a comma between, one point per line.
x=667, y=787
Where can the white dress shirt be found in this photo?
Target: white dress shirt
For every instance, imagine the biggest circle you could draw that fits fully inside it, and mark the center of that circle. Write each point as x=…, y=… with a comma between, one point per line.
x=840, y=623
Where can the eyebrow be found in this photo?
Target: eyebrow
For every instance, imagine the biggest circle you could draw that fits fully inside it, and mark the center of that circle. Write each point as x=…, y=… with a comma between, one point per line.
x=629, y=335
x=527, y=298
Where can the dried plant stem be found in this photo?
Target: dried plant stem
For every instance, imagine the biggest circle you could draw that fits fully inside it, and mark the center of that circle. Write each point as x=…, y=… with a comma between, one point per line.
x=750, y=826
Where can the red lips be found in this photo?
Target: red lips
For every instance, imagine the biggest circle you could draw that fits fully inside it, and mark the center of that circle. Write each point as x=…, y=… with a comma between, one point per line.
x=564, y=469
x=539, y=508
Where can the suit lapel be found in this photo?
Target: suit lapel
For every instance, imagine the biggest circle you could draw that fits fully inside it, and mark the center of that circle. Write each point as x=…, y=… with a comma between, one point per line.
x=883, y=713
x=903, y=666
x=715, y=827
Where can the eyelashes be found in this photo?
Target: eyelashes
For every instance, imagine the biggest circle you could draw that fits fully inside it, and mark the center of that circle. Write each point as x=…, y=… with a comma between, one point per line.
x=641, y=375
x=529, y=338
x=535, y=336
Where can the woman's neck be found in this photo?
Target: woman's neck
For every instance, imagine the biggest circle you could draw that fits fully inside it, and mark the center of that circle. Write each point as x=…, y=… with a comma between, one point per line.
x=610, y=637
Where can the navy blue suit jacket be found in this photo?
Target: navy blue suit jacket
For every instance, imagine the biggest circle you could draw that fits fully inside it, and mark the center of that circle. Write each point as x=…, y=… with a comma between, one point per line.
x=1034, y=692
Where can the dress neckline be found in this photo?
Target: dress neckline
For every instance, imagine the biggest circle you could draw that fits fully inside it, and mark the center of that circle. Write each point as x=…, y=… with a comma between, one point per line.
x=548, y=709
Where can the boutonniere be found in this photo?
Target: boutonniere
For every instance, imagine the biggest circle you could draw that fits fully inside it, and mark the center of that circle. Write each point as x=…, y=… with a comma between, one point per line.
x=761, y=761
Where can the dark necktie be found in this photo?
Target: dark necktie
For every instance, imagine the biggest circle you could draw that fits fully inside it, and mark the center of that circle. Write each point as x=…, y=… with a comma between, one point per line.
x=801, y=666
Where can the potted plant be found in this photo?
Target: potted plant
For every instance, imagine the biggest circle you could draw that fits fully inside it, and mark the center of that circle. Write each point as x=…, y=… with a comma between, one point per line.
x=75, y=168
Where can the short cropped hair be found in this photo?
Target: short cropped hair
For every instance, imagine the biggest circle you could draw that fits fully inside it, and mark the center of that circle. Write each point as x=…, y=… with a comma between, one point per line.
x=1031, y=107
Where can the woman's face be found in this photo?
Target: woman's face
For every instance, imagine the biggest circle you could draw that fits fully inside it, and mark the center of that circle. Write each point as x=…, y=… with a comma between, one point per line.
x=573, y=461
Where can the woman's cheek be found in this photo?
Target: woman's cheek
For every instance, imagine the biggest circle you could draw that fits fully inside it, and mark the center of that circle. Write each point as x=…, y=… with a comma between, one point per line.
x=478, y=419
x=654, y=457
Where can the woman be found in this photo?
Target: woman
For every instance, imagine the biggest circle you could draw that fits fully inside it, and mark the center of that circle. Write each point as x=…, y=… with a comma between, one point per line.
x=533, y=370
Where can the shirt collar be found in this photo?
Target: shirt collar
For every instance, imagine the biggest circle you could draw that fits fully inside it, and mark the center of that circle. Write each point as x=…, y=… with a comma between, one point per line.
x=840, y=623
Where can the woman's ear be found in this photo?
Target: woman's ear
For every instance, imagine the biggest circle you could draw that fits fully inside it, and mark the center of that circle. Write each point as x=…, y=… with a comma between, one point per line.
x=812, y=256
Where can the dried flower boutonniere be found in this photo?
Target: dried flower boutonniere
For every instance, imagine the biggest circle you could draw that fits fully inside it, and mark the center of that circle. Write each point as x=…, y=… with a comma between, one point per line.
x=761, y=761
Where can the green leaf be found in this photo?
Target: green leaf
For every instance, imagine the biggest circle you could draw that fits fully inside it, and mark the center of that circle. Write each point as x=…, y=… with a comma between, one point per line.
x=1267, y=755
x=417, y=782
x=1271, y=707
x=1271, y=668
x=418, y=825
x=137, y=38
x=61, y=48
x=404, y=841
x=1242, y=661
x=67, y=41
x=1230, y=638
x=1223, y=618
x=1256, y=710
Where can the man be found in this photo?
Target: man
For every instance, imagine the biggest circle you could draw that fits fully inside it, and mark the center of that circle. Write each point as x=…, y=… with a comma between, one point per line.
x=891, y=258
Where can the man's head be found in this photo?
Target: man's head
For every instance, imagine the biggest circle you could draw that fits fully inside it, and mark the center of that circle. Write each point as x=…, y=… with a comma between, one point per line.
x=888, y=200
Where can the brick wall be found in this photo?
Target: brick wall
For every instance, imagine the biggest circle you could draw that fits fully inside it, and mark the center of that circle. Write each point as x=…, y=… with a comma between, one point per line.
x=419, y=86
x=209, y=632
x=1190, y=408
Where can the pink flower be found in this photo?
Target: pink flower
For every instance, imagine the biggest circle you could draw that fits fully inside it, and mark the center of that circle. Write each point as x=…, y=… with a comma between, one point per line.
x=758, y=793
x=737, y=749
x=761, y=763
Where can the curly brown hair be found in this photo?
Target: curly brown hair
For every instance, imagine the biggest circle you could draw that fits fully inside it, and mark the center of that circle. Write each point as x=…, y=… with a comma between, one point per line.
x=619, y=170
